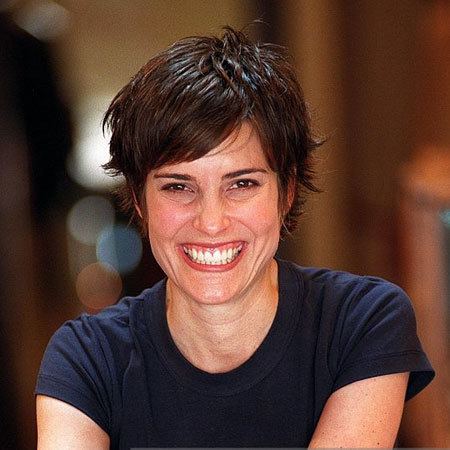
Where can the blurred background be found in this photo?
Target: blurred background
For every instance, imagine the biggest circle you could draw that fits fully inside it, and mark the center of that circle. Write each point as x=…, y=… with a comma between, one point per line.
x=377, y=77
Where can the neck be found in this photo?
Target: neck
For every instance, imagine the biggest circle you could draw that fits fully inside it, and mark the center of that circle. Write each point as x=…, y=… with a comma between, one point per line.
x=219, y=338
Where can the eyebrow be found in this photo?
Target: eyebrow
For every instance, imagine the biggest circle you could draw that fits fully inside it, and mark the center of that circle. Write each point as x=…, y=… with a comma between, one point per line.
x=227, y=176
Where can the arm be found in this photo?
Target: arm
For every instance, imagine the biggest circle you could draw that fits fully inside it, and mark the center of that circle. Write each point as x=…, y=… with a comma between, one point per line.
x=62, y=426
x=365, y=413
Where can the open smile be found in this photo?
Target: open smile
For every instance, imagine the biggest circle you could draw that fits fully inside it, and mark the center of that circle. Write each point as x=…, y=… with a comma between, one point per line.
x=217, y=255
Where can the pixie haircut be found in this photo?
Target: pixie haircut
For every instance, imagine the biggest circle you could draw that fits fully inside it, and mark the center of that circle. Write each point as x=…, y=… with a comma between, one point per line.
x=189, y=98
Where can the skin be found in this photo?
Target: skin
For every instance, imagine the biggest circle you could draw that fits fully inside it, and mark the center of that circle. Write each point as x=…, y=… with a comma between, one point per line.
x=219, y=315
x=364, y=414
x=61, y=426
x=205, y=203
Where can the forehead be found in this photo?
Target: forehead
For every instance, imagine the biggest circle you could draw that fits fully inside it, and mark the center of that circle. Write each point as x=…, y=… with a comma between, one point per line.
x=241, y=149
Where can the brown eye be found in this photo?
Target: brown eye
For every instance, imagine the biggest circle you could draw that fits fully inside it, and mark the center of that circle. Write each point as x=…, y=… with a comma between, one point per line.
x=178, y=187
x=244, y=184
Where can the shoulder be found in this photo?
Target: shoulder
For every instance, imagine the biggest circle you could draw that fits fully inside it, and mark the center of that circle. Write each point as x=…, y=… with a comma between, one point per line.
x=108, y=335
x=113, y=326
x=366, y=326
x=342, y=292
x=86, y=359
x=350, y=306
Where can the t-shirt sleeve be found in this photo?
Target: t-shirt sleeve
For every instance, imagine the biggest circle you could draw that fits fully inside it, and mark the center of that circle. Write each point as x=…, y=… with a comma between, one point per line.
x=376, y=335
x=74, y=369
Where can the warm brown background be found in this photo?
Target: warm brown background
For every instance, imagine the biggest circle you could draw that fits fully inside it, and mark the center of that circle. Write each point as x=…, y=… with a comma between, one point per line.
x=377, y=75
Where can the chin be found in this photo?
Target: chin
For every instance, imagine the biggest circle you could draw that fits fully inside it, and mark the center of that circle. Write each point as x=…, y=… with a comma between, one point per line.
x=210, y=296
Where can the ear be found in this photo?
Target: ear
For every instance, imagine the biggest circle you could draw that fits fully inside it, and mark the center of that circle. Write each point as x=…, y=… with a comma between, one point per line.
x=292, y=185
x=136, y=204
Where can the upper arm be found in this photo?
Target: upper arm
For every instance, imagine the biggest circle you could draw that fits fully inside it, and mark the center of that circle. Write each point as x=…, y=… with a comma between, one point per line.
x=76, y=383
x=62, y=426
x=365, y=413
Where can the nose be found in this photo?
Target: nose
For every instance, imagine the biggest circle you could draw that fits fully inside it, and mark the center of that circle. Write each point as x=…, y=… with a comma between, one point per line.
x=211, y=217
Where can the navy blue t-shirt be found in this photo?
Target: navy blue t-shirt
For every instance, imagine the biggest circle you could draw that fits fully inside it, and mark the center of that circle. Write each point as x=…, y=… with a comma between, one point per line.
x=122, y=368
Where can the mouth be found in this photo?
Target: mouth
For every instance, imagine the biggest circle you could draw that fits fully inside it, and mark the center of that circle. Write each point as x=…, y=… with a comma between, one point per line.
x=220, y=255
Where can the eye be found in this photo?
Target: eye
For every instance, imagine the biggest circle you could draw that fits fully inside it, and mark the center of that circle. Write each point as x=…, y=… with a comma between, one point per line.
x=175, y=187
x=244, y=184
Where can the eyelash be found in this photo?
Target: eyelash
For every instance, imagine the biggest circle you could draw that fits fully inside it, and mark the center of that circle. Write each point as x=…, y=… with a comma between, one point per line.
x=248, y=184
x=180, y=187
x=174, y=187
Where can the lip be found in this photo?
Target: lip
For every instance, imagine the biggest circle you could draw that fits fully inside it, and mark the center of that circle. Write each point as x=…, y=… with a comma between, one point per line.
x=209, y=246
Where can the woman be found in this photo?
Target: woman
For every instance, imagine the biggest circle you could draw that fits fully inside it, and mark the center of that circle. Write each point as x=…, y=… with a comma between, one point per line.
x=235, y=348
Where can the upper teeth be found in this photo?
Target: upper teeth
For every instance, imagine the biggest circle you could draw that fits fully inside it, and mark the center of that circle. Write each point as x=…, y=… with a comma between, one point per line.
x=213, y=257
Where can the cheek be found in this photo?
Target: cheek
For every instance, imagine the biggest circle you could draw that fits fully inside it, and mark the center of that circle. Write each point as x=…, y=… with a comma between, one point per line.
x=262, y=216
x=165, y=218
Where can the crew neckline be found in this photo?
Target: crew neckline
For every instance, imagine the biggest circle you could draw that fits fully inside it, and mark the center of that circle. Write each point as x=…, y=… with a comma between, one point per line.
x=254, y=369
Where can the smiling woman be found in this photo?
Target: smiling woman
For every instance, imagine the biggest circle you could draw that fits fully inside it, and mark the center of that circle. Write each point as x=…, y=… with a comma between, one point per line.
x=217, y=210
x=235, y=348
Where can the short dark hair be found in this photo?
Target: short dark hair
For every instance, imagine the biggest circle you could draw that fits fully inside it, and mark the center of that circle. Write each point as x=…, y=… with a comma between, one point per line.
x=187, y=99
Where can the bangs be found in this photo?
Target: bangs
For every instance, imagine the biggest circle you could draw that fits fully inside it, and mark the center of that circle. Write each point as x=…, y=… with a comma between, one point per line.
x=195, y=132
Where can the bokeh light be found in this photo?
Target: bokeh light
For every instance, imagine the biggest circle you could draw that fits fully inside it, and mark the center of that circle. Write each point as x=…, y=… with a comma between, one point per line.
x=45, y=20
x=88, y=217
x=445, y=215
x=120, y=247
x=91, y=146
x=98, y=286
